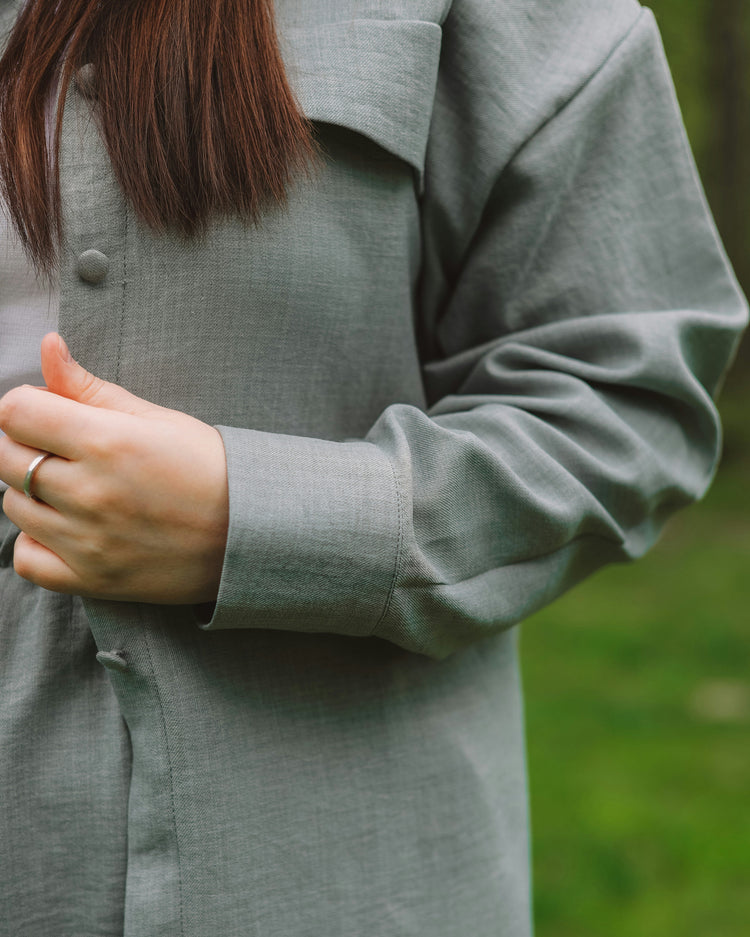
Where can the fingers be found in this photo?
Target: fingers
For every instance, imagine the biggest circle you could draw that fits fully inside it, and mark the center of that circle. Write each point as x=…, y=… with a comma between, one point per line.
x=40, y=520
x=47, y=422
x=48, y=482
x=36, y=563
x=44, y=528
x=64, y=376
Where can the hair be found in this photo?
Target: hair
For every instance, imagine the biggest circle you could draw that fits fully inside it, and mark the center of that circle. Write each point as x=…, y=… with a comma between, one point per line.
x=192, y=103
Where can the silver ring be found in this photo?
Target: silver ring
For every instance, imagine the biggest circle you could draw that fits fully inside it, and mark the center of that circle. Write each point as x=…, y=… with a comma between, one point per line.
x=30, y=472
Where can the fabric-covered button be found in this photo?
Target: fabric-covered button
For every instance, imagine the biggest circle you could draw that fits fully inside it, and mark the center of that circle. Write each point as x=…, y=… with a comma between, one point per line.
x=85, y=80
x=93, y=266
x=113, y=660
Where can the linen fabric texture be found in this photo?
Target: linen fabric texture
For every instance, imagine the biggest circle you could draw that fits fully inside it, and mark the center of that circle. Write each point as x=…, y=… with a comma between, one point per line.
x=470, y=362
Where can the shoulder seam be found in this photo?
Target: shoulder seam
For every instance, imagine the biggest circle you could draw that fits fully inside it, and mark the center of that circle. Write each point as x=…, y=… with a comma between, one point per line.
x=644, y=13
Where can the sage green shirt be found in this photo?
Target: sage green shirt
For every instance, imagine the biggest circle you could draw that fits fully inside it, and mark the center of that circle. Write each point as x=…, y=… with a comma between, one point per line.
x=471, y=362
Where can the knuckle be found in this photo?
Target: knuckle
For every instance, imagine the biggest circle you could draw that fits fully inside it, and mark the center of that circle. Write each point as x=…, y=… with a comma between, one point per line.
x=94, y=560
x=15, y=507
x=100, y=504
x=91, y=553
x=91, y=387
x=11, y=404
x=9, y=507
x=105, y=441
x=22, y=561
x=99, y=446
x=26, y=565
x=91, y=496
x=100, y=579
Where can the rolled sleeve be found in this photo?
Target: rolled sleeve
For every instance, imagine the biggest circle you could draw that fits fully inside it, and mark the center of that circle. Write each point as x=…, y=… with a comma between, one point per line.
x=314, y=534
x=577, y=318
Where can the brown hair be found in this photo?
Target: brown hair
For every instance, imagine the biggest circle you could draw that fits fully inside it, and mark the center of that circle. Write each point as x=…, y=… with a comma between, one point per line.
x=191, y=99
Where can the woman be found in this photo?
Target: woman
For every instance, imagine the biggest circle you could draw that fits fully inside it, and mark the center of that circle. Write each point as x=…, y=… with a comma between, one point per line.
x=335, y=423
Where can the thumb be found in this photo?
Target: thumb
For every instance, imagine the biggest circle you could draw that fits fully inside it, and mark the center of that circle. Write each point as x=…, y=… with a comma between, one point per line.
x=65, y=377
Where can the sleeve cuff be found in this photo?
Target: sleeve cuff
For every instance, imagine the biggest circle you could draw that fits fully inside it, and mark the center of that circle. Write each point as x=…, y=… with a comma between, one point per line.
x=314, y=534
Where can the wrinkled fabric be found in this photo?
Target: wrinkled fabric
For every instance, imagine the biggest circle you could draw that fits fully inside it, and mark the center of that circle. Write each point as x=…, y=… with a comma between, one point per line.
x=64, y=768
x=471, y=361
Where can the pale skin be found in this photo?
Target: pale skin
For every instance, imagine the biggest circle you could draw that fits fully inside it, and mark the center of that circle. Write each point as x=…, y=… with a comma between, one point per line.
x=134, y=506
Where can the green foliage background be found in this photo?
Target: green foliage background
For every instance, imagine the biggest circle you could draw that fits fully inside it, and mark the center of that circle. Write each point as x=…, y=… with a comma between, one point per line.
x=638, y=682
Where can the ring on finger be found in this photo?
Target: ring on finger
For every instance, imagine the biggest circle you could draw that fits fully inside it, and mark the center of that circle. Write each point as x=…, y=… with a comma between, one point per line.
x=31, y=472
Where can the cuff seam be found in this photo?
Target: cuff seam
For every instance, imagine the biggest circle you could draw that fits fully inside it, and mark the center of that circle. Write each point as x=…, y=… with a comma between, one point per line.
x=399, y=549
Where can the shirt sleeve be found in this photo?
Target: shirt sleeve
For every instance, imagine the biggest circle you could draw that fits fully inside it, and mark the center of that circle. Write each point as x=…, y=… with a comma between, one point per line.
x=577, y=314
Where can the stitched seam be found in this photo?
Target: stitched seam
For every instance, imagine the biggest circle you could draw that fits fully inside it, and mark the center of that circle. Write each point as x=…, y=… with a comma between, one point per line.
x=171, y=777
x=622, y=41
x=399, y=550
x=528, y=139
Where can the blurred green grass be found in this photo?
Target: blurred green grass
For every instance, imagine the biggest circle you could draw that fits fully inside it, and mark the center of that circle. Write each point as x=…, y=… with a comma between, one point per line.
x=638, y=713
x=638, y=682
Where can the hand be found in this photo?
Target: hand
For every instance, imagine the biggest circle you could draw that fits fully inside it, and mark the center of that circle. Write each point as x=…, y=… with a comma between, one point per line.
x=134, y=505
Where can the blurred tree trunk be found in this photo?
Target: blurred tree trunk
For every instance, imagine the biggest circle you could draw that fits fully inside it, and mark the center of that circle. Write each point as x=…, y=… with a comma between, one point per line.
x=728, y=175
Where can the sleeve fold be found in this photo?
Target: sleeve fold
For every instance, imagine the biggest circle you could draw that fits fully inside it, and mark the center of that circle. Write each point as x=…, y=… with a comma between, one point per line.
x=576, y=347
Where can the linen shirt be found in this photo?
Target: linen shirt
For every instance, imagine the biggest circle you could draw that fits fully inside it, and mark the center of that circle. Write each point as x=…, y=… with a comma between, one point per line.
x=471, y=361
x=28, y=310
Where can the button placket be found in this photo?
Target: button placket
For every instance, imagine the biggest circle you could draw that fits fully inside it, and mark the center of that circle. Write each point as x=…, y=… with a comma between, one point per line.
x=92, y=274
